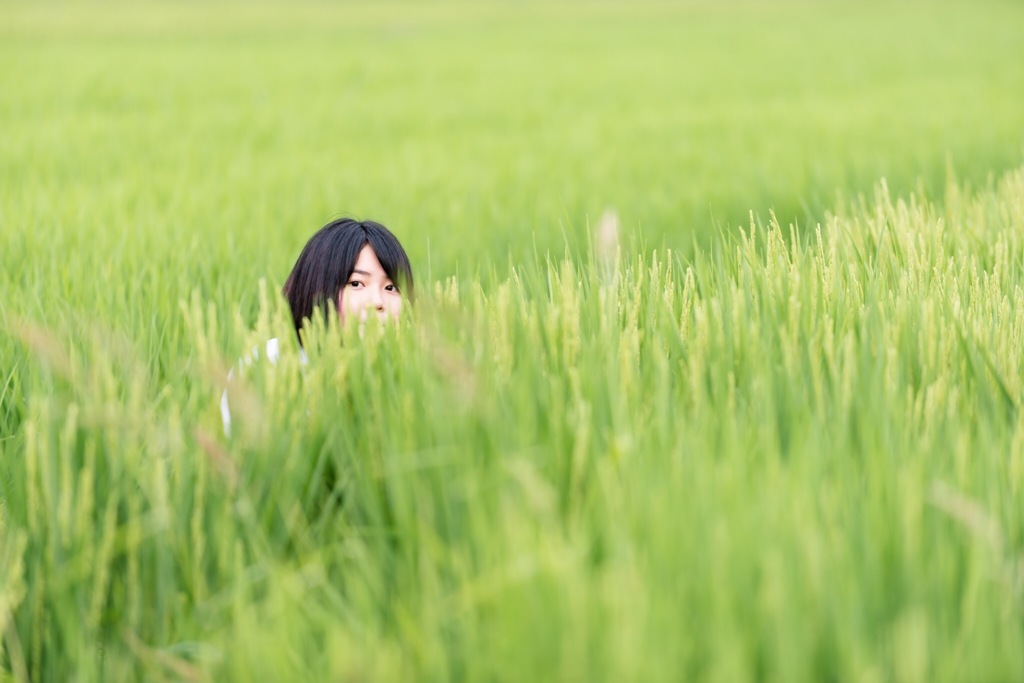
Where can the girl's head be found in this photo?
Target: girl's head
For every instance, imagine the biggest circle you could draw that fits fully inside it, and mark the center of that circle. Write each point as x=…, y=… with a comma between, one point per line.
x=356, y=268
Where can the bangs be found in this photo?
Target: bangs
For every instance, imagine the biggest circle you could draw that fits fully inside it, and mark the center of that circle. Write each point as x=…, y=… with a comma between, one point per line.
x=391, y=255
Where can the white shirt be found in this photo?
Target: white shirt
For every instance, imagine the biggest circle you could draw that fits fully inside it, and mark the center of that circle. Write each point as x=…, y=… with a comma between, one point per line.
x=273, y=354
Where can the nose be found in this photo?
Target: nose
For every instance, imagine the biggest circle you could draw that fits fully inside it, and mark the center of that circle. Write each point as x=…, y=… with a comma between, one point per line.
x=378, y=300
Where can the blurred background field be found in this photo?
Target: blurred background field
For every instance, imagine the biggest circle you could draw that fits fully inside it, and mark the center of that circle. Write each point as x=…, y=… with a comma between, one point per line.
x=219, y=136
x=795, y=456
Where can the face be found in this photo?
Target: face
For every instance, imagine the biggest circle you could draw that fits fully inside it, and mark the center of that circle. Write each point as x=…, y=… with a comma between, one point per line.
x=369, y=291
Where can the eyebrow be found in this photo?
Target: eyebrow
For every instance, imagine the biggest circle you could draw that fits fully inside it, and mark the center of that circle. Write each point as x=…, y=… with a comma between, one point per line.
x=363, y=272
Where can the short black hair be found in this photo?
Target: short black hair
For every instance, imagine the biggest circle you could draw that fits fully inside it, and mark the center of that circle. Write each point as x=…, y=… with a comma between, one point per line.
x=328, y=259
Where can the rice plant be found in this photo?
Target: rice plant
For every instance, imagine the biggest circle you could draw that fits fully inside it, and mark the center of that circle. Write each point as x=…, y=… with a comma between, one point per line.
x=794, y=456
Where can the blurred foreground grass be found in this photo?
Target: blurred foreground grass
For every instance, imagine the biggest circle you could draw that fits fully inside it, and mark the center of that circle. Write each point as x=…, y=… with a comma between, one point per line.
x=790, y=458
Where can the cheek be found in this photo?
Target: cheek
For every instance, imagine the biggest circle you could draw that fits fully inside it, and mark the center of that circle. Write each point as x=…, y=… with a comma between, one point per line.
x=349, y=301
x=395, y=306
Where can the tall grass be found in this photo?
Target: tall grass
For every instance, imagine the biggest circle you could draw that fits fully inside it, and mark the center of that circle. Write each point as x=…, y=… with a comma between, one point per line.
x=793, y=456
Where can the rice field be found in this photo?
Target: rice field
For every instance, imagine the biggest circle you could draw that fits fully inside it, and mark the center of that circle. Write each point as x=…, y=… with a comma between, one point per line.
x=714, y=372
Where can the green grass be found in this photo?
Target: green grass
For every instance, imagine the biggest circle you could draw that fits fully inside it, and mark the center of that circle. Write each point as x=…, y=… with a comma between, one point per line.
x=726, y=451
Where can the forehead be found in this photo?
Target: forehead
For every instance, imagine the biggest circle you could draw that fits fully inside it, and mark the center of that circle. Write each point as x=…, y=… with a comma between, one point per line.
x=368, y=262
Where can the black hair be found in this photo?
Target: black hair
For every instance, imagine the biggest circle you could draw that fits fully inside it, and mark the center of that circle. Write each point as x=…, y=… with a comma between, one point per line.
x=328, y=259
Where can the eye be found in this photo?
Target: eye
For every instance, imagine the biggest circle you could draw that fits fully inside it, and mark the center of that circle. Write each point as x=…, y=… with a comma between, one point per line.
x=391, y=288
x=355, y=284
